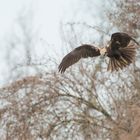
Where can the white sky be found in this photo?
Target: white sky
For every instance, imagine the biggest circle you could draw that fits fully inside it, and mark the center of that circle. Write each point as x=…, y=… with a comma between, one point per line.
x=48, y=15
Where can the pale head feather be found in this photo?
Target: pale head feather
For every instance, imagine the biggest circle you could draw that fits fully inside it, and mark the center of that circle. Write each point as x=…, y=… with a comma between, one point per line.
x=103, y=51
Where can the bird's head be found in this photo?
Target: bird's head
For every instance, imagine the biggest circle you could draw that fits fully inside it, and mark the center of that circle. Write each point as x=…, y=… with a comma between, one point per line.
x=103, y=51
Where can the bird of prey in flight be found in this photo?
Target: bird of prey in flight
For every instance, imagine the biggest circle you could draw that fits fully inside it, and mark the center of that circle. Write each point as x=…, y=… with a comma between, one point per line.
x=121, y=52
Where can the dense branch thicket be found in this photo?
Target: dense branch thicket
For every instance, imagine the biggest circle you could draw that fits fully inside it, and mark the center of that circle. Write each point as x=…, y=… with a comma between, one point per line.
x=71, y=106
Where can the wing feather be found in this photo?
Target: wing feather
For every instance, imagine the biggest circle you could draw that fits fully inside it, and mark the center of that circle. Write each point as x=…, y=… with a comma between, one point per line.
x=122, y=51
x=74, y=56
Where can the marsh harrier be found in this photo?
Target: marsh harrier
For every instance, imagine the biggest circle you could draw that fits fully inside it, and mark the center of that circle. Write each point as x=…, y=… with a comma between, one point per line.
x=121, y=52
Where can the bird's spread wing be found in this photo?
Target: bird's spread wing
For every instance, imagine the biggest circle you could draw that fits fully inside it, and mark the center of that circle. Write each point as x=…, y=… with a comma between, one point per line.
x=127, y=56
x=74, y=56
x=122, y=51
x=123, y=39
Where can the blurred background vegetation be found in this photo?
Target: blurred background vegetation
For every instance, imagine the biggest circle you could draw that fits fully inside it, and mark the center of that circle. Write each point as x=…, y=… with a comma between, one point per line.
x=85, y=103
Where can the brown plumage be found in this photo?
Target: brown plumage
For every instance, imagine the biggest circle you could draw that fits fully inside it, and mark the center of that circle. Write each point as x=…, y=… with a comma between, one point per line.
x=126, y=58
x=121, y=52
x=83, y=51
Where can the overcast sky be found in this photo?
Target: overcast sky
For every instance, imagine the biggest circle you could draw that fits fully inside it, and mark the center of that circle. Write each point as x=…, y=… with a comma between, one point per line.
x=48, y=14
x=47, y=17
